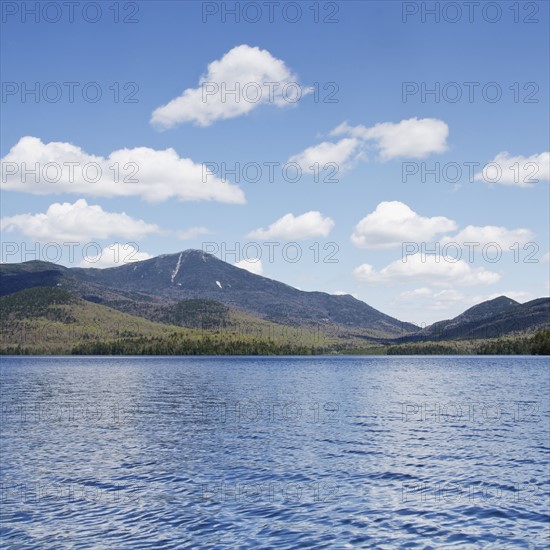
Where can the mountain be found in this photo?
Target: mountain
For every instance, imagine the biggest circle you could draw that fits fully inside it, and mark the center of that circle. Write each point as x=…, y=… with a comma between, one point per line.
x=491, y=319
x=150, y=287
x=196, y=290
x=51, y=320
x=487, y=309
x=16, y=277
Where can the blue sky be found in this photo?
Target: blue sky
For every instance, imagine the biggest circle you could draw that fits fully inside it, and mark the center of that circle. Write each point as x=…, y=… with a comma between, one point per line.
x=369, y=130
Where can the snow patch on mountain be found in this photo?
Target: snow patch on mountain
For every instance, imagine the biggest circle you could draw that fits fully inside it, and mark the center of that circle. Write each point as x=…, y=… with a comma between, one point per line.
x=178, y=265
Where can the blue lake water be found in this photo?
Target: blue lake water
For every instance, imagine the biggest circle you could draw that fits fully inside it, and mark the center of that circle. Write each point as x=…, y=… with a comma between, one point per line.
x=278, y=452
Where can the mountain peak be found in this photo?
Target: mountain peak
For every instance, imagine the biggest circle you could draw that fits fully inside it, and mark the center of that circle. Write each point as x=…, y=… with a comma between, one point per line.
x=189, y=253
x=489, y=307
x=503, y=299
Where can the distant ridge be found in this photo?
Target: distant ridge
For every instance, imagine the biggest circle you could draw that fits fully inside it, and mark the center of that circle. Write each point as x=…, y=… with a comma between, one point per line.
x=158, y=288
x=490, y=319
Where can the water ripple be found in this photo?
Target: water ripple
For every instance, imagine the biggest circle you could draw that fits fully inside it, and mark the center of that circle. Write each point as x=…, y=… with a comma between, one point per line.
x=347, y=452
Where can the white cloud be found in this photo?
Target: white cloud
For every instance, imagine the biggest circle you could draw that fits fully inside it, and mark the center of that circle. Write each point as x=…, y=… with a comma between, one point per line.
x=427, y=269
x=151, y=174
x=343, y=153
x=414, y=138
x=505, y=238
x=238, y=68
x=392, y=223
x=254, y=266
x=77, y=222
x=115, y=255
x=192, y=233
x=448, y=297
x=426, y=298
x=290, y=227
x=412, y=294
x=518, y=170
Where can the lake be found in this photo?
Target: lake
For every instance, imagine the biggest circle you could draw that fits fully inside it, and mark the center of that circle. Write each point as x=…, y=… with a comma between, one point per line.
x=275, y=452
